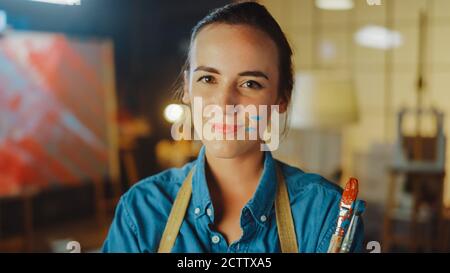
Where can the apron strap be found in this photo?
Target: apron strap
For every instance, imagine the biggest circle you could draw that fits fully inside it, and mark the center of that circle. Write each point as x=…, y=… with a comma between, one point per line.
x=285, y=224
x=176, y=215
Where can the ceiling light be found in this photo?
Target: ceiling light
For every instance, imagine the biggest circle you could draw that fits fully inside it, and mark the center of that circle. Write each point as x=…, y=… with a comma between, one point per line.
x=334, y=4
x=378, y=37
x=60, y=2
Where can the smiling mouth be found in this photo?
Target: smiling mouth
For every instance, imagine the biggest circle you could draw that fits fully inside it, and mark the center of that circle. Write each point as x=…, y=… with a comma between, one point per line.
x=225, y=128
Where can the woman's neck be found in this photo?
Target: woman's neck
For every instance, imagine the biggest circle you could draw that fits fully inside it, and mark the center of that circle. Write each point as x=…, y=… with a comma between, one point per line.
x=239, y=175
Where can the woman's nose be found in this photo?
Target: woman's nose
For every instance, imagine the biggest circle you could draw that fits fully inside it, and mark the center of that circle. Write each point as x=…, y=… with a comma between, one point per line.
x=226, y=96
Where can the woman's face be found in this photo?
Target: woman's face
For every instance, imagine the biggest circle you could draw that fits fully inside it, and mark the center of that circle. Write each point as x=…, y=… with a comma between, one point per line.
x=231, y=65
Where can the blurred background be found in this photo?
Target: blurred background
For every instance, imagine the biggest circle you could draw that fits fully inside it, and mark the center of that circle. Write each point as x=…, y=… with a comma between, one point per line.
x=86, y=110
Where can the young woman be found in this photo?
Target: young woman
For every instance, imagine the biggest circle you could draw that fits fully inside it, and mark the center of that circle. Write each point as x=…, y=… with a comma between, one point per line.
x=235, y=197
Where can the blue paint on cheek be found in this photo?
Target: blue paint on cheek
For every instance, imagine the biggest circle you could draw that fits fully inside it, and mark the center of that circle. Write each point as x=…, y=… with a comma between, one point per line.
x=257, y=118
x=250, y=129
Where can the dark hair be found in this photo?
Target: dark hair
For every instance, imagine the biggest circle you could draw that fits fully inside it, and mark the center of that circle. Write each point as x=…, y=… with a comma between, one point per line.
x=255, y=15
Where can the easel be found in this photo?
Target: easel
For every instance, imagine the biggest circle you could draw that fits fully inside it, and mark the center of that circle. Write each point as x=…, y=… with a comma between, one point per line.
x=421, y=161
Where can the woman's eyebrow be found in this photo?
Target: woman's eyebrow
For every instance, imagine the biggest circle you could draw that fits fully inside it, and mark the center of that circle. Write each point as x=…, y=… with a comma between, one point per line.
x=207, y=69
x=254, y=74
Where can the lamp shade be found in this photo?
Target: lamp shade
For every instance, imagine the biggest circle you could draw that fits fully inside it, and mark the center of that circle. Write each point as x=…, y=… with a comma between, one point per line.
x=323, y=99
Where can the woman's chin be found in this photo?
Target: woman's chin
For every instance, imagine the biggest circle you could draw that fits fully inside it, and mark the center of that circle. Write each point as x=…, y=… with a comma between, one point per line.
x=229, y=148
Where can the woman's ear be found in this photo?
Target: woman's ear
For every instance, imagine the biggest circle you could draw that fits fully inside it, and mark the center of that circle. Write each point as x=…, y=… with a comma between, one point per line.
x=283, y=104
x=186, y=98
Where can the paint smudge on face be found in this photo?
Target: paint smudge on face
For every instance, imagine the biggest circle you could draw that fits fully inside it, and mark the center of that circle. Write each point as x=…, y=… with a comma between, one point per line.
x=255, y=118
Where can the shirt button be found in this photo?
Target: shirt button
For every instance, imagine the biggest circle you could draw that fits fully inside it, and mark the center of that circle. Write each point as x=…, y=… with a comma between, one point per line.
x=197, y=210
x=263, y=218
x=209, y=212
x=215, y=239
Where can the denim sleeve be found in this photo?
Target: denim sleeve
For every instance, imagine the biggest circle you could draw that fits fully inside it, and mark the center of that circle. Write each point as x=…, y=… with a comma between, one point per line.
x=122, y=235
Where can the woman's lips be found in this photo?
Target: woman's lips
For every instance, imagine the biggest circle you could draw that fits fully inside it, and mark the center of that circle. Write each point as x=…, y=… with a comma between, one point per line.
x=225, y=128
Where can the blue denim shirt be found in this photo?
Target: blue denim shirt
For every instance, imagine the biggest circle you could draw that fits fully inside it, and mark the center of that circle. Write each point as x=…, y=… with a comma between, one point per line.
x=142, y=212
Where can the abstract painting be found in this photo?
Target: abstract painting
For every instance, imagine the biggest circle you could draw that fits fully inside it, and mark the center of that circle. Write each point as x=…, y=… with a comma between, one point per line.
x=57, y=111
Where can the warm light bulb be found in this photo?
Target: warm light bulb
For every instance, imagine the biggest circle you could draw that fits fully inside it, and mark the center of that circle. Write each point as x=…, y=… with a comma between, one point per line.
x=173, y=112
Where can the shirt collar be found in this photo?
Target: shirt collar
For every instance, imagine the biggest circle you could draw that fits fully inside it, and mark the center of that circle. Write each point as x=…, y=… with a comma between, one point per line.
x=262, y=201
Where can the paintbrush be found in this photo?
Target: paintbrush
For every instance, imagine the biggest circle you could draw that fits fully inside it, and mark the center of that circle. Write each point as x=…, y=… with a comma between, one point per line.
x=345, y=211
x=359, y=208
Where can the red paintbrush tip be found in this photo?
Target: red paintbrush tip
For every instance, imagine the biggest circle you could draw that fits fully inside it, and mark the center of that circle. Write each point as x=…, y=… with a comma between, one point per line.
x=350, y=191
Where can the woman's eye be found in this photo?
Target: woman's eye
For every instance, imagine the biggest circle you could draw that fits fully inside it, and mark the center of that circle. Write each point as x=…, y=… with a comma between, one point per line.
x=206, y=79
x=252, y=84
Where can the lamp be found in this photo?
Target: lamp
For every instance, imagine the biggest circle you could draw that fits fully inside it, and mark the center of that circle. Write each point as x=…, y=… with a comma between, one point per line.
x=173, y=113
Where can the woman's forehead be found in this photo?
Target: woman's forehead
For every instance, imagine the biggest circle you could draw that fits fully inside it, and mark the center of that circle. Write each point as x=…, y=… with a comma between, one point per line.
x=234, y=47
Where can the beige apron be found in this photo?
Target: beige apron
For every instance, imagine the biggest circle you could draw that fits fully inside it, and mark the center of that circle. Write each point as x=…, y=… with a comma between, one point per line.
x=285, y=224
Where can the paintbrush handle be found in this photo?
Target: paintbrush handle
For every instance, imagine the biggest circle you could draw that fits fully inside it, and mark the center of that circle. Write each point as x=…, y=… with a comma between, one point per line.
x=360, y=206
x=348, y=239
x=335, y=244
